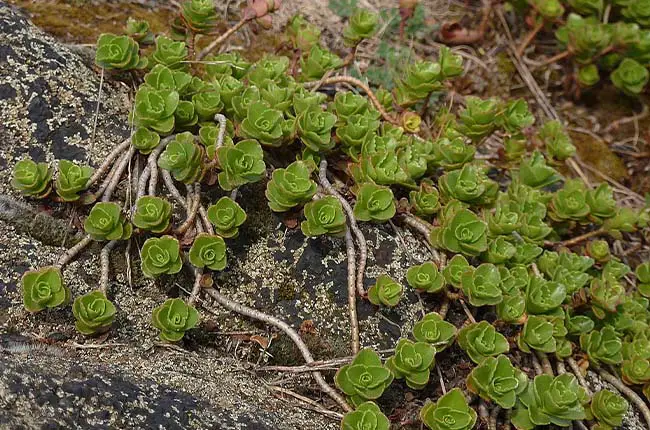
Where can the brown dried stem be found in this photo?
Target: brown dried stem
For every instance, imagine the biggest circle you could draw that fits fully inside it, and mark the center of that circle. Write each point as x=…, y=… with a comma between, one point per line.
x=108, y=162
x=72, y=252
x=219, y=40
x=577, y=371
x=115, y=180
x=546, y=363
x=104, y=260
x=352, y=297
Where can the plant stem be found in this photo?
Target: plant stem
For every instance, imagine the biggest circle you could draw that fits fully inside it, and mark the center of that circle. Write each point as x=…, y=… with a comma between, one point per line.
x=356, y=82
x=72, y=252
x=629, y=393
x=108, y=162
x=293, y=335
x=579, y=239
x=115, y=180
x=196, y=289
x=538, y=367
x=191, y=214
x=578, y=372
x=546, y=363
x=104, y=260
x=562, y=55
x=444, y=307
x=219, y=40
x=494, y=415
x=352, y=296
x=361, y=240
x=529, y=38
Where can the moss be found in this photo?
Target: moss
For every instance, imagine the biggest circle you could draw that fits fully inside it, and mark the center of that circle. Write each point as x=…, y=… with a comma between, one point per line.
x=596, y=153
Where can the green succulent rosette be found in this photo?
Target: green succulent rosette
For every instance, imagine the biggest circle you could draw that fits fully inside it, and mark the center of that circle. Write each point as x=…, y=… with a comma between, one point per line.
x=160, y=255
x=425, y=277
x=535, y=173
x=601, y=202
x=303, y=34
x=588, y=76
x=432, y=329
x=514, y=147
x=71, y=180
x=537, y=333
x=550, y=400
x=570, y=202
x=152, y=214
x=451, y=64
x=481, y=340
x=207, y=102
x=268, y=69
x=516, y=116
x=118, y=52
x=366, y=416
x=550, y=10
x=291, y=187
x=208, y=251
x=468, y=184
x=497, y=380
x=303, y=99
x=587, y=7
x=425, y=201
x=145, y=140
x=170, y=53
x=636, y=370
x=240, y=164
x=450, y=412
x=598, y=250
x=606, y=296
x=465, y=233
x=544, y=296
x=106, y=222
x=609, y=409
x=173, y=318
x=355, y=132
x=278, y=96
x=557, y=141
x=642, y=273
x=44, y=288
x=505, y=219
x=422, y=78
x=412, y=362
x=227, y=63
x=154, y=109
x=363, y=24
x=499, y=251
x=625, y=220
x=32, y=179
x=630, y=77
x=183, y=158
x=512, y=309
x=324, y=216
x=94, y=313
x=482, y=285
x=454, y=270
x=161, y=77
x=200, y=16
x=139, y=31
x=226, y=216
x=365, y=378
x=185, y=115
x=317, y=62
x=262, y=123
x=637, y=11
x=385, y=292
x=314, y=127
x=347, y=103
x=479, y=118
x=374, y=203
x=452, y=153
x=603, y=346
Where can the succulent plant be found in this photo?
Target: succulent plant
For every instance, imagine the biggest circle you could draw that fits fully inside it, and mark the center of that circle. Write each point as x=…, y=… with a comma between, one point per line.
x=240, y=164
x=630, y=77
x=468, y=184
x=497, y=380
x=638, y=11
x=636, y=370
x=602, y=346
x=173, y=318
x=183, y=158
x=452, y=153
x=625, y=220
x=570, y=203
x=549, y=10
x=290, y=187
x=357, y=130
x=152, y=214
x=588, y=76
x=451, y=64
x=478, y=119
x=512, y=308
x=324, y=216
x=200, y=16
x=482, y=285
x=535, y=173
x=412, y=362
x=154, y=109
x=263, y=123
x=537, y=334
x=145, y=140
x=347, y=103
x=170, y=53
x=160, y=255
x=516, y=116
x=227, y=63
x=420, y=80
x=318, y=62
x=32, y=179
x=208, y=251
x=587, y=7
x=226, y=216
x=106, y=222
x=481, y=340
x=544, y=296
x=366, y=416
x=643, y=276
x=118, y=52
x=425, y=201
x=71, y=180
x=44, y=288
x=425, y=277
x=450, y=412
x=606, y=296
x=363, y=24
x=608, y=408
x=303, y=34
x=374, y=203
x=207, y=102
x=550, y=400
x=385, y=292
x=432, y=329
x=557, y=141
x=94, y=313
x=465, y=233
x=314, y=128
x=365, y=378
x=454, y=270
x=601, y=202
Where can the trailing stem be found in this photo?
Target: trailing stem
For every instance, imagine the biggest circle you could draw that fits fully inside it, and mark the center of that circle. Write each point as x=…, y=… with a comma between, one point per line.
x=494, y=415
x=293, y=335
x=219, y=40
x=579, y=239
x=546, y=363
x=361, y=240
x=104, y=260
x=191, y=214
x=196, y=289
x=536, y=365
x=629, y=393
x=577, y=371
x=529, y=38
x=108, y=162
x=72, y=252
x=115, y=180
x=352, y=296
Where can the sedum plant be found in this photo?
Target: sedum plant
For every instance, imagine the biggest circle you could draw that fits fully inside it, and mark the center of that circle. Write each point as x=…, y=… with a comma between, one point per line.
x=318, y=62
x=314, y=127
x=152, y=214
x=324, y=216
x=425, y=277
x=450, y=412
x=642, y=273
x=365, y=378
x=454, y=270
x=374, y=203
x=426, y=200
x=481, y=340
x=160, y=255
x=363, y=24
x=200, y=16
x=385, y=292
x=32, y=179
x=71, y=180
x=118, y=52
x=173, y=318
x=366, y=416
x=630, y=77
x=145, y=140
x=240, y=164
x=608, y=408
x=290, y=187
x=183, y=158
x=226, y=216
x=139, y=31
x=479, y=117
x=538, y=334
x=412, y=362
x=497, y=380
x=106, y=222
x=432, y=329
x=94, y=313
x=154, y=109
x=44, y=288
x=208, y=251
x=482, y=285
x=603, y=346
x=464, y=233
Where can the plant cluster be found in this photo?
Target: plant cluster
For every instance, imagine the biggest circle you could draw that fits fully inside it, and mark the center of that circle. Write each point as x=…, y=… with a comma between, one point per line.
x=227, y=123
